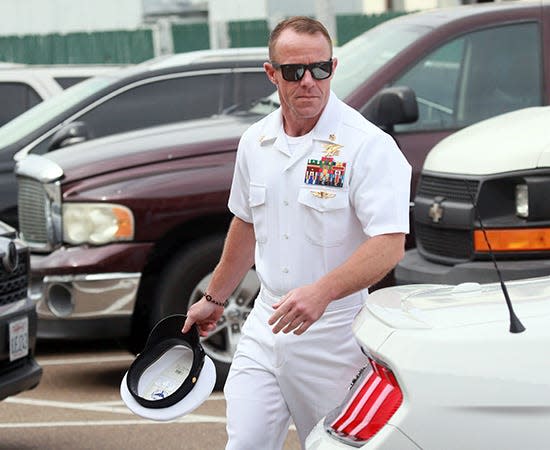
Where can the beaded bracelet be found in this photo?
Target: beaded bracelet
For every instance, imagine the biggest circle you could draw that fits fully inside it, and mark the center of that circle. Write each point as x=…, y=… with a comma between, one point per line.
x=211, y=300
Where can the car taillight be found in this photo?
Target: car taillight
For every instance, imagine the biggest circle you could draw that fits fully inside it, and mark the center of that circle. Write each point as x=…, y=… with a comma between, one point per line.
x=372, y=400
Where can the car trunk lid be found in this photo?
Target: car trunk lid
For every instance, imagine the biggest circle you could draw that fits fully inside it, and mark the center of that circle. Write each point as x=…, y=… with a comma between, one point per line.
x=467, y=304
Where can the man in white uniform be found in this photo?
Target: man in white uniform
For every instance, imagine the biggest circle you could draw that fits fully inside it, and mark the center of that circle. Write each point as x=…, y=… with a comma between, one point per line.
x=320, y=198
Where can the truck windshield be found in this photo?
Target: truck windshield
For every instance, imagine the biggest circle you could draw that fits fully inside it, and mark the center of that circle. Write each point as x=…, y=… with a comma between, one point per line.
x=40, y=114
x=361, y=57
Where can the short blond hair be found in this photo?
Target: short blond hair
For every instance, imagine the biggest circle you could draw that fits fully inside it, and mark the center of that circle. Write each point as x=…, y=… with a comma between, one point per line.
x=300, y=24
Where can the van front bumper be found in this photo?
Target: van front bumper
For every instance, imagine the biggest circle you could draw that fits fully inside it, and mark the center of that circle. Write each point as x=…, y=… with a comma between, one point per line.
x=413, y=269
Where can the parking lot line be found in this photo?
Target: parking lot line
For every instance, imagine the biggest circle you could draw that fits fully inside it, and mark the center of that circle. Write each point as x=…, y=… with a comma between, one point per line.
x=191, y=418
x=116, y=407
x=85, y=360
x=70, y=405
x=113, y=407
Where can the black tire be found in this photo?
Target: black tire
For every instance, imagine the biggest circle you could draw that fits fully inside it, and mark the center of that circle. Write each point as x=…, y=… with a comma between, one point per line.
x=182, y=282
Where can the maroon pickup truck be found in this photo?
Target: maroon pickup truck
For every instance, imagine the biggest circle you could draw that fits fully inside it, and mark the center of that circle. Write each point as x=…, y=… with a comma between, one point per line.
x=128, y=228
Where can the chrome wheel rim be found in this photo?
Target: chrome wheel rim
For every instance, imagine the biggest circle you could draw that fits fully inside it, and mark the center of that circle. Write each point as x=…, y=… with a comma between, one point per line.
x=221, y=343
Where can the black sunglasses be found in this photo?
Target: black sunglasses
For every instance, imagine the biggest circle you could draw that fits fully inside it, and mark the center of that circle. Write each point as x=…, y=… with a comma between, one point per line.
x=295, y=72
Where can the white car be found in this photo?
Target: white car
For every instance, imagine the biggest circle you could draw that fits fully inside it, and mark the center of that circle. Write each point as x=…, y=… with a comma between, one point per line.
x=24, y=86
x=446, y=372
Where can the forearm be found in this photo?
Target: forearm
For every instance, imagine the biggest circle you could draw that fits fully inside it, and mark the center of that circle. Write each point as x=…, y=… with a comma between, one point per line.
x=237, y=258
x=366, y=266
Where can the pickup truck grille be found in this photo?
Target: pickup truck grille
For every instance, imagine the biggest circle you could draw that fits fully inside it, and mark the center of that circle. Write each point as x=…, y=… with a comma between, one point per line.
x=13, y=285
x=32, y=210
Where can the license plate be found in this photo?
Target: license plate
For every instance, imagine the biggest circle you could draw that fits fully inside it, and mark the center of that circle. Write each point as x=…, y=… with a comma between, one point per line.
x=19, y=338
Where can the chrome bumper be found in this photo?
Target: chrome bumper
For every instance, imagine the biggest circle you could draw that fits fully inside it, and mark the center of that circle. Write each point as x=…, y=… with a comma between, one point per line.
x=85, y=297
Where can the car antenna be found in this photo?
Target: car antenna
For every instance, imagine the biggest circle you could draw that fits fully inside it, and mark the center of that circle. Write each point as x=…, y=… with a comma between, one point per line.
x=515, y=324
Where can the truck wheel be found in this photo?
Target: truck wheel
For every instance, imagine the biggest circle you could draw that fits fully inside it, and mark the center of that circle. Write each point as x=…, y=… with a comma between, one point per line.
x=183, y=282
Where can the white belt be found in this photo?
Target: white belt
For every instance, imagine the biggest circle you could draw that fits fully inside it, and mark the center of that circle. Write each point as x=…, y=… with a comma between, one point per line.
x=357, y=299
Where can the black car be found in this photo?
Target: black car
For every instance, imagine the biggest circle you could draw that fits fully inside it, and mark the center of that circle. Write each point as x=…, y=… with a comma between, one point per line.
x=160, y=91
x=18, y=369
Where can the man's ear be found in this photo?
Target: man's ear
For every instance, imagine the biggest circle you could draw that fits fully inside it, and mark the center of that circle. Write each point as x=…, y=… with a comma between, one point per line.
x=270, y=71
x=334, y=64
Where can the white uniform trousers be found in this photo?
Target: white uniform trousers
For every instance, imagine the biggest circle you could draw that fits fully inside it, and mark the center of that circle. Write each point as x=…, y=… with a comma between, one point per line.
x=278, y=377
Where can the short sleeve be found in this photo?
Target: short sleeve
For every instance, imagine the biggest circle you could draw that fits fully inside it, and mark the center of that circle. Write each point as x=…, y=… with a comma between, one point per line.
x=380, y=186
x=238, y=197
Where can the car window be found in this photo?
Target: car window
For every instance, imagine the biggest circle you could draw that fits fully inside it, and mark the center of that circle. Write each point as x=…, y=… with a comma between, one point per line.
x=15, y=99
x=249, y=87
x=49, y=109
x=158, y=102
x=476, y=76
x=67, y=82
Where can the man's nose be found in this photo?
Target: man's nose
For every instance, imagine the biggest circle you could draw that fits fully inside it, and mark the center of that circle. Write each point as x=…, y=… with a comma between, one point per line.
x=307, y=79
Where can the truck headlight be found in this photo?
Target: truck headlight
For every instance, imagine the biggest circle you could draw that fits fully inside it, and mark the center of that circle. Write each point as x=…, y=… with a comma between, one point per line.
x=522, y=201
x=97, y=223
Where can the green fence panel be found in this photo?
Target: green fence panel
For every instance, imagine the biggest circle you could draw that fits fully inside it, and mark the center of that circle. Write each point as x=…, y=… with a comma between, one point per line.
x=191, y=36
x=126, y=47
x=250, y=33
x=256, y=32
x=107, y=47
x=352, y=25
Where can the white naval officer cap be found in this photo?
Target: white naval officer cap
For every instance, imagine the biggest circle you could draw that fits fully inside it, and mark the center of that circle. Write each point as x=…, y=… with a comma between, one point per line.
x=172, y=376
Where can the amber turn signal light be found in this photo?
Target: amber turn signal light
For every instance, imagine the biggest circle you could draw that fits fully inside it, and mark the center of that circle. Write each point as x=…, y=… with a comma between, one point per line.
x=513, y=240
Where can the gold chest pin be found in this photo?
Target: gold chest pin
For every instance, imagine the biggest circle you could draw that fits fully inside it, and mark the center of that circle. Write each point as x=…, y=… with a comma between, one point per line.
x=322, y=194
x=332, y=149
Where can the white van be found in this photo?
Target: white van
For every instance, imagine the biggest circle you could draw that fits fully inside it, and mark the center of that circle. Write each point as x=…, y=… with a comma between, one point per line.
x=492, y=176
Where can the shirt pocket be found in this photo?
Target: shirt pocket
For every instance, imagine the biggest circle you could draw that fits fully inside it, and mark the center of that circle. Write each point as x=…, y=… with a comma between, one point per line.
x=256, y=201
x=326, y=215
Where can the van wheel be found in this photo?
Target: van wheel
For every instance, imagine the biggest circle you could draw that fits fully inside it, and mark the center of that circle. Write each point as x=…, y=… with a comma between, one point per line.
x=183, y=282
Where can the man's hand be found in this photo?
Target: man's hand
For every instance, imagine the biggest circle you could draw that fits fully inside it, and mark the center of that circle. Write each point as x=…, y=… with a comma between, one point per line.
x=298, y=309
x=205, y=314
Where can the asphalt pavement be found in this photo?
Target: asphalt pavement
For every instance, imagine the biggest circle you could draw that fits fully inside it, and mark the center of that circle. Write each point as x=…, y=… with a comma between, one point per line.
x=77, y=406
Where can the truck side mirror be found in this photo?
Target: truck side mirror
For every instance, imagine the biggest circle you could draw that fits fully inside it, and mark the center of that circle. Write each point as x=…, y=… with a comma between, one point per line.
x=69, y=134
x=391, y=106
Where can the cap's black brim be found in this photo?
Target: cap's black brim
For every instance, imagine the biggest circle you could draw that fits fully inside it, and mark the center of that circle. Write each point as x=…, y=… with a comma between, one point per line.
x=196, y=397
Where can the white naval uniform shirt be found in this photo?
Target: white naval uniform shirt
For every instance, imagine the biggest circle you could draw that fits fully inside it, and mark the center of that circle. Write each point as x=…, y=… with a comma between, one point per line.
x=311, y=214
